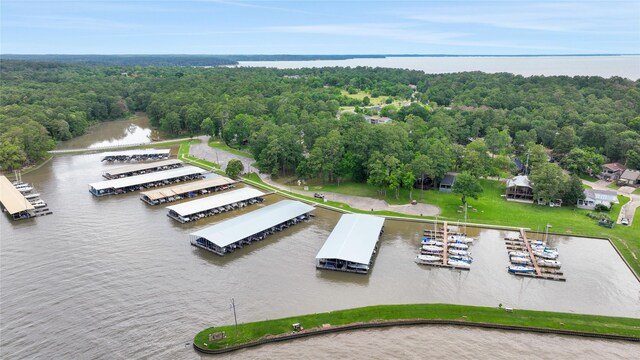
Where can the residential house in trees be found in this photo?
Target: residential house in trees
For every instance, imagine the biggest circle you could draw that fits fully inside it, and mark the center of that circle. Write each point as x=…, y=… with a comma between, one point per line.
x=446, y=185
x=592, y=198
x=630, y=177
x=519, y=189
x=612, y=171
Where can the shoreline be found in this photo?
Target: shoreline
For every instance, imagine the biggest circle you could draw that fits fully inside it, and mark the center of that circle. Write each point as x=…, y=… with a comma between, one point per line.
x=278, y=330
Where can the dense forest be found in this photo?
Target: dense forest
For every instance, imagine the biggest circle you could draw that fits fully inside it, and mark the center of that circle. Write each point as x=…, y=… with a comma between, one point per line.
x=294, y=121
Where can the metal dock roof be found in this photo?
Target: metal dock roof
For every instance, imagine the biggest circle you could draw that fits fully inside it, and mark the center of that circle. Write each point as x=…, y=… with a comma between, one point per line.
x=230, y=231
x=138, y=167
x=138, y=152
x=11, y=198
x=147, y=178
x=185, y=188
x=353, y=239
x=215, y=201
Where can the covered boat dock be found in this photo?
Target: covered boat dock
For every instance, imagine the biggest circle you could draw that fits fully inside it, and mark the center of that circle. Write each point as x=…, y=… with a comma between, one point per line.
x=137, y=155
x=234, y=233
x=140, y=182
x=212, y=205
x=139, y=169
x=14, y=202
x=192, y=189
x=352, y=244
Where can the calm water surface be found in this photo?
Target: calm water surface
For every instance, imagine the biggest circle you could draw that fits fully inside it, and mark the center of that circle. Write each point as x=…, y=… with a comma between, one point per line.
x=605, y=66
x=133, y=131
x=114, y=278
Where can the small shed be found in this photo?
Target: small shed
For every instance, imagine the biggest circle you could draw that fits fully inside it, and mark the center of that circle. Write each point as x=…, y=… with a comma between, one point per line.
x=630, y=177
x=446, y=185
x=519, y=189
x=597, y=197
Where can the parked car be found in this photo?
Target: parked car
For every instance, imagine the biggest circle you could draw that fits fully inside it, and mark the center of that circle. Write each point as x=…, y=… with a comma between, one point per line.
x=624, y=221
x=318, y=196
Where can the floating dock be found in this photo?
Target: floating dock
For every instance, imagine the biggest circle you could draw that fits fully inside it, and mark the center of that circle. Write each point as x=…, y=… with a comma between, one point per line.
x=137, y=155
x=445, y=251
x=232, y=234
x=213, y=205
x=14, y=202
x=351, y=245
x=527, y=263
x=189, y=190
x=139, y=169
x=146, y=181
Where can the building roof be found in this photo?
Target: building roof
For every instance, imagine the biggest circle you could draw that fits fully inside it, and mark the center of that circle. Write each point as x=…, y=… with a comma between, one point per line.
x=139, y=152
x=615, y=167
x=448, y=180
x=353, y=239
x=147, y=178
x=520, y=180
x=215, y=201
x=227, y=232
x=188, y=187
x=630, y=175
x=138, y=167
x=602, y=195
x=11, y=198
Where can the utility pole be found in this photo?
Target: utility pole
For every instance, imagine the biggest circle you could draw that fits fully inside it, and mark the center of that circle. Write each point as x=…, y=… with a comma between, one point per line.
x=526, y=169
x=235, y=318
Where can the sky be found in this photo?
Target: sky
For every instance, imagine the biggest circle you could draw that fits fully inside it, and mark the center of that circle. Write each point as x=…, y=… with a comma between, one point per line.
x=319, y=27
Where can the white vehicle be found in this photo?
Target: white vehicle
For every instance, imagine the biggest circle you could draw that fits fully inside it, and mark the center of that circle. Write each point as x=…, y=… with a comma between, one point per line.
x=624, y=221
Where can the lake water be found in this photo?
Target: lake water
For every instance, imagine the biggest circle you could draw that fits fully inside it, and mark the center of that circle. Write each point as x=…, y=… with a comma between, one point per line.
x=133, y=131
x=114, y=278
x=605, y=66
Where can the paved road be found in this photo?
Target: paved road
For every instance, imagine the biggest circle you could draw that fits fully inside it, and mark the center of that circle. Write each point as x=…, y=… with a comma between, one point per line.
x=629, y=209
x=221, y=157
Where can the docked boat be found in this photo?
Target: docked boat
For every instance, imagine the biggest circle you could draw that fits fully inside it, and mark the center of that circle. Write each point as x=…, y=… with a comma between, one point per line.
x=432, y=242
x=459, y=252
x=459, y=264
x=549, y=263
x=459, y=238
x=24, y=189
x=521, y=269
x=459, y=246
x=518, y=253
x=546, y=255
x=465, y=258
x=432, y=248
x=520, y=260
x=39, y=204
x=32, y=196
x=357, y=266
x=428, y=259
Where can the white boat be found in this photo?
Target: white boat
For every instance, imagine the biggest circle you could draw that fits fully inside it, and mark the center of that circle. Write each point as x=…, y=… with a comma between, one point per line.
x=521, y=269
x=459, y=246
x=549, y=263
x=459, y=252
x=459, y=238
x=432, y=248
x=25, y=189
x=432, y=242
x=39, y=204
x=518, y=253
x=428, y=259
x=465, y=258
x=357, y=266
x=520, y=260
x=546, y=255
x=458, y=264
x=543, y=247
x=31, y=196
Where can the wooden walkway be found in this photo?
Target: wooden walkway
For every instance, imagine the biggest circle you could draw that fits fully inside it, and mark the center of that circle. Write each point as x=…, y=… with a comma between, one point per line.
x=533, y=258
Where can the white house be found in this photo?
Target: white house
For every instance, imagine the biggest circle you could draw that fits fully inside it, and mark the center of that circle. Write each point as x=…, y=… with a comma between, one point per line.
x=595, y=197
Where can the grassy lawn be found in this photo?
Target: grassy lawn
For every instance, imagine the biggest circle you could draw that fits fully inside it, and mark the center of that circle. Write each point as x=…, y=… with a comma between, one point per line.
x=183, y=154
x=548, y=320
x=217, y=144
x=636, y=191
x=587, y=177
x=380, y=100
x=613, y=186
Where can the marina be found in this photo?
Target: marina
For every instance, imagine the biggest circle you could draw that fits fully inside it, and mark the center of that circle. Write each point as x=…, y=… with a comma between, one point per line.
x=139, y=169
x=532, y=258
x=213, y=205
x=352, y=244
x=232, y=234
x=19, y=201
x=146, y=181
x=212, y=184
x=447, y=248
x=137, y=155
